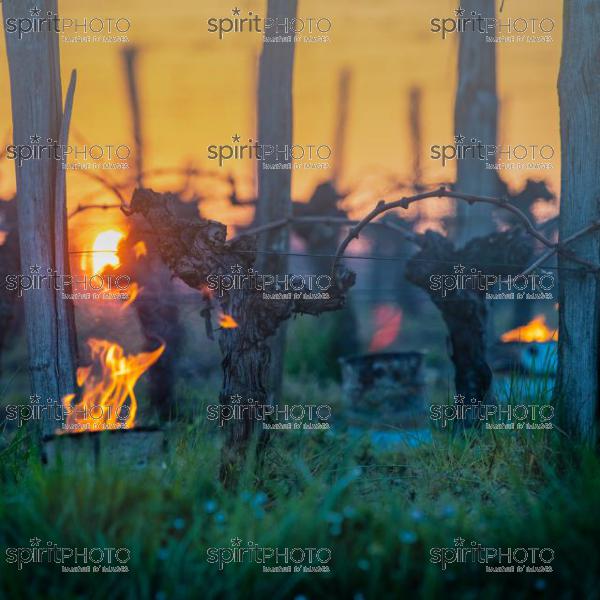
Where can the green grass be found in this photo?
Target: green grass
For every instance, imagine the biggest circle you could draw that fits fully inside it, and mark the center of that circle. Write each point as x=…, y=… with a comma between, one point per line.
x=378, y=512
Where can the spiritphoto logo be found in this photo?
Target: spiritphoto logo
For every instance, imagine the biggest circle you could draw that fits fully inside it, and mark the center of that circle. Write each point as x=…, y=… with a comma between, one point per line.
x=312, y=29
x=499, y=29
x=275, y=417
x=495, y=416
x=85, y=418
x=273, y=560
x=534, y=286
x=71, y=559
x=74, y=287
x=272, y=156
x=510, y=157
x=273, y=286
x=496, y=560
x=86, y=29
x=95, y=156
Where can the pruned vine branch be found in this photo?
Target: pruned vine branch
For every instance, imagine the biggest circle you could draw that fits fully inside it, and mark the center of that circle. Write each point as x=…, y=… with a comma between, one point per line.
x=442, y=192
x=83, y=207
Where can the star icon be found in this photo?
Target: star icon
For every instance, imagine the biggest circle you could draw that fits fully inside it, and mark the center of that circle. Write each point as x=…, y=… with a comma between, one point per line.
x=235, y=138
x=459, y=541
x=459, y=268
x=34, y=269
x=34, y=139
x=459, y=12
x=236, y=11
x=35, y=541
x=236, y=399
x=236, y=541
x=236, y=268
x=459, y=399
x=34, y=398
x=459, y=139
x=35, y=11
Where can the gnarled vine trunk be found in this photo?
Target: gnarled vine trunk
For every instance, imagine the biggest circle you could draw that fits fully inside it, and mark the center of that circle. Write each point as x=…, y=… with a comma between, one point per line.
x=196, y=249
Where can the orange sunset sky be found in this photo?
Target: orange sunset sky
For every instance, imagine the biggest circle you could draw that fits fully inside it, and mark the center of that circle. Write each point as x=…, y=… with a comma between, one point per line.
x=197, y=90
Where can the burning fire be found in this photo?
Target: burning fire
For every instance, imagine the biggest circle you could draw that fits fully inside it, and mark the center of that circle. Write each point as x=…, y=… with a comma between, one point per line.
x=104, y=250
x=140, y=249
x=388, y=319
x=535, y=331
x=134, y=290
x=108, y=399
x=227, y=322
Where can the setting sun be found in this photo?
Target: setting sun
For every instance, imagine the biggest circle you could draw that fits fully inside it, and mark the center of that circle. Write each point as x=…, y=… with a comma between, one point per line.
x=105, y=250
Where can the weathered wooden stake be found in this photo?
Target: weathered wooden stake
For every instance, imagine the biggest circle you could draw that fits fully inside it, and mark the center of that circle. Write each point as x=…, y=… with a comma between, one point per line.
x=36, y=96
x=416, y=136
x=475, y=117
x=579, y=293
x=275, y=121
x=156, y=304
x=130, y=56
x=341, y=125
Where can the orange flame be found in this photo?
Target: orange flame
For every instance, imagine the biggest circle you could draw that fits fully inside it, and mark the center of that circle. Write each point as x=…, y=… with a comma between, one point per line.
x=535, y=331
x=134, y=290
x=227, y=321
x=140, y=249
x=108, y=399
x=388, y=319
